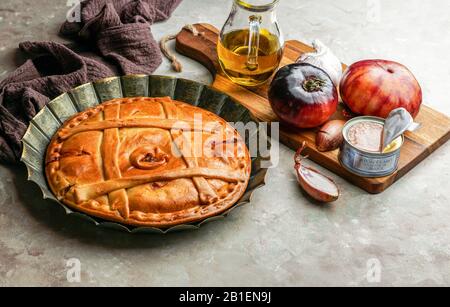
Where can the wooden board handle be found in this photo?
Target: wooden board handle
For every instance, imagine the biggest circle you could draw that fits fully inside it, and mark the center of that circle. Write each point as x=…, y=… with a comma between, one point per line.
x=201, y=47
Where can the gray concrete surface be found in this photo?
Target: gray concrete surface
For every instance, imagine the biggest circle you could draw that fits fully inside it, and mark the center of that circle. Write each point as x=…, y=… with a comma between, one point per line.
x=281, y=238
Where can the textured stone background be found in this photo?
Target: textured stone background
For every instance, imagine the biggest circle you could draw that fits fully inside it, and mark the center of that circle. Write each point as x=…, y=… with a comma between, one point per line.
x=281, y=238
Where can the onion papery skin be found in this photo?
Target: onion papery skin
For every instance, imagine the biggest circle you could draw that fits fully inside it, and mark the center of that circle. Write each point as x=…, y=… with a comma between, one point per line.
x=297, y=106
x=376, y=87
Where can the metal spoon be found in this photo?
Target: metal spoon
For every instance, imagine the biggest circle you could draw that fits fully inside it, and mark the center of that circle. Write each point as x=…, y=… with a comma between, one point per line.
x=398, y=121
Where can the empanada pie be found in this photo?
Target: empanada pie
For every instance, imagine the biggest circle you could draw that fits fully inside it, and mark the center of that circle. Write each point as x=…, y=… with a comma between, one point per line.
x=148, y=162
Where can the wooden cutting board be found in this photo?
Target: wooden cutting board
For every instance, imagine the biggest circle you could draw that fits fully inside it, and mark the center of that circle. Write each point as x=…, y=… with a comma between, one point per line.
x=435, y=129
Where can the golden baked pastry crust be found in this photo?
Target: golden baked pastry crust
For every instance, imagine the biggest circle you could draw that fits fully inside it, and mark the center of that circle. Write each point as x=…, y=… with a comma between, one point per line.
x=148, y=162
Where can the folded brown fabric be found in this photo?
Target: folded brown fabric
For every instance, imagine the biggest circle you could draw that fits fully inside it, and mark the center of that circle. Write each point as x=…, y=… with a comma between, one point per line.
x=53, y=70
x=120, y=32
x=120, y=29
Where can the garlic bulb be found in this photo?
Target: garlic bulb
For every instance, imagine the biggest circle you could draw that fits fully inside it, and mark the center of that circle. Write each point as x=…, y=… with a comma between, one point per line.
x=325, y=59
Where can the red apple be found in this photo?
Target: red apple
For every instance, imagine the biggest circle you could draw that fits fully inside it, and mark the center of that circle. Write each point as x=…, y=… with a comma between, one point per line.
x=376, y=87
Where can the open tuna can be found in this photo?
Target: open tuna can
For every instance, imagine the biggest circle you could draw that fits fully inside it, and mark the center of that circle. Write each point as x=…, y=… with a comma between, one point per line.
x=360, y=152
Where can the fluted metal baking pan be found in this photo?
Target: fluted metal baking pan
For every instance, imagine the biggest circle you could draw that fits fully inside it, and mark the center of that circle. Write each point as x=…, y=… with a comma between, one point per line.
x=53, y=115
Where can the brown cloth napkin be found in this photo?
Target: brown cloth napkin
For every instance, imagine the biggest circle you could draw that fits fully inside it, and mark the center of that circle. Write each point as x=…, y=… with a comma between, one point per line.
x=118, y=32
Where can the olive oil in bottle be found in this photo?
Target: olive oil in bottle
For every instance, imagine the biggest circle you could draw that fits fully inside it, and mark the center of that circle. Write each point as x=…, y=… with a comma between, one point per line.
x=245, y=66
